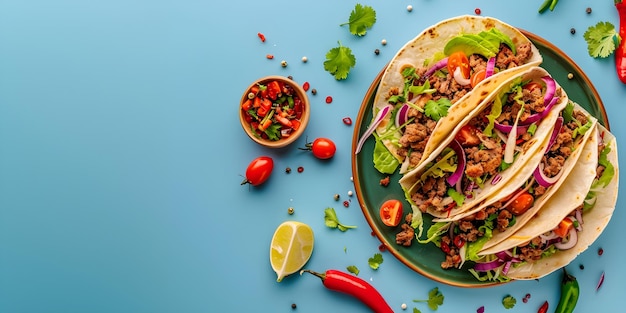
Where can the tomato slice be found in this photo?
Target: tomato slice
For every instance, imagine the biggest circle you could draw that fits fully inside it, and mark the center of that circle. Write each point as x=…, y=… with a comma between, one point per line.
x=391, y=212
x=522, y=203
x=467, y=136
x=477, y=77
x=532, y=85
x=459, y=59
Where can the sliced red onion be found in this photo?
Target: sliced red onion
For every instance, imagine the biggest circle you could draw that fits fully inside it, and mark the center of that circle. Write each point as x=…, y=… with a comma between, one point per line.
x=496, y=179
x=437, y=66
x=460, y=168
x=379, y=117
x=579, y=218
x=539, y=175
x=458, y=76
x=402, y=115
x=547, y=237
x=488, y=266
x=491, y=64
x=570, y=243
x=509, y=150
x=507, y=128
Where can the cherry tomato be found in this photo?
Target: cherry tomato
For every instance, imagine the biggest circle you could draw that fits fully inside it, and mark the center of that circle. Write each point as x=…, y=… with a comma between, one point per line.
x=522, y=203
x=391, y=212
x=477, y=77
x=532, y=85
x=459, y=59
x=467, y=136
x=258, y=171
x=322, y=148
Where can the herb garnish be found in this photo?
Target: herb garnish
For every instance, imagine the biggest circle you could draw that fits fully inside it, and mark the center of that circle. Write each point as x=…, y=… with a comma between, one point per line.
x=435, y=299
x=601, y=39
x=361, y=18
x=375, y=261
x=339, y=61
x=331, y=220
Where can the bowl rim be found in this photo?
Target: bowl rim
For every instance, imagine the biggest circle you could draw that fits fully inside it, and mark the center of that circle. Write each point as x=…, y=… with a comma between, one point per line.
x=304, y=119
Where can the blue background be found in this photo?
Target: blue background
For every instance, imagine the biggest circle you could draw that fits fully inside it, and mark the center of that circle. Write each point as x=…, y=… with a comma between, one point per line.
x=121, y=155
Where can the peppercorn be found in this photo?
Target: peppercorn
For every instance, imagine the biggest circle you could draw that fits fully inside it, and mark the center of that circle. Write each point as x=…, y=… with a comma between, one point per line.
x=336, y=197
x=293, y=306
x=383, y=42
x=582, y=267
x=572, y=30
x=314, y=91
x=290, y=210
x=346, y=203
x=409, y=8
x=300, y=169
x=600, y=251
x=377, y=52
x=305, y=59
x=288, y=170
x=588, y=10
x=570, y=76
x=283, y=63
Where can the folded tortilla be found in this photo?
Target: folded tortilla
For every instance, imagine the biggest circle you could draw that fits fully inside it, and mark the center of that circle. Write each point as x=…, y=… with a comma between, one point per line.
x=527, y=157
x=423, y=51
x=568, y=197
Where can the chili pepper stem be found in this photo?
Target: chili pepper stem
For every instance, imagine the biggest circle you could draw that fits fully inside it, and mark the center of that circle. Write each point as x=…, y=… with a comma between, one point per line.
x=320, y=275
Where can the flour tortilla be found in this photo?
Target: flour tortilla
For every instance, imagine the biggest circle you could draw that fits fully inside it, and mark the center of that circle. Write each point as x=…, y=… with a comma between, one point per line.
x=524, y=164
x=422, y=49
x=565, y=200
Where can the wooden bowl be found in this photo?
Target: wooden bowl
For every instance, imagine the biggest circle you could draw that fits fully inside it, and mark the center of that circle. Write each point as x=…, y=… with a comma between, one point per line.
x=274, y=111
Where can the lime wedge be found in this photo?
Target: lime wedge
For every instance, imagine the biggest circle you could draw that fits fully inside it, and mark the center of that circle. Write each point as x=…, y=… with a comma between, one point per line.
x=291, y=248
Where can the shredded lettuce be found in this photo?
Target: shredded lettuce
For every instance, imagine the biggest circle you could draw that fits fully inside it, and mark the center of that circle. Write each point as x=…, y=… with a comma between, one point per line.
x=384, y=161
x=434, y=233
x=438, y=169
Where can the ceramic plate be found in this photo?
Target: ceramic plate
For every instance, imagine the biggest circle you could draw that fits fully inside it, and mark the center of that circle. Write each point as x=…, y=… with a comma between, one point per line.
x=426, y=258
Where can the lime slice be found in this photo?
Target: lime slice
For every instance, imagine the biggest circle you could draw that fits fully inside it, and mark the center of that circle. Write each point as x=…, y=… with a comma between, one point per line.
x=291, y=248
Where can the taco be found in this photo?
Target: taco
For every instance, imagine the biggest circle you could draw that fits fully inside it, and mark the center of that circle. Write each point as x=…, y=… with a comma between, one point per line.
x=567, y=225
x=523, y=197
x=504, y=138
x=438, y=78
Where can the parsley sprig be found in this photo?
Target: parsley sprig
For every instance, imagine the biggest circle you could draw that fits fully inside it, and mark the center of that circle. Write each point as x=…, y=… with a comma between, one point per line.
x=602, y=39
x=361, y=19
x=375, y=261
x=339, y=61
x=331, y=220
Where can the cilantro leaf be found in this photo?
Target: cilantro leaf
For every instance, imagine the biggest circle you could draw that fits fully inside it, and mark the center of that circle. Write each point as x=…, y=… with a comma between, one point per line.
x=339, y=61
x=361, y=18
x=435, y=299
x=601, y=39
x=437, y=109
x=331, y=220
x=375, y=261
x=353, y=269
x=509, y=302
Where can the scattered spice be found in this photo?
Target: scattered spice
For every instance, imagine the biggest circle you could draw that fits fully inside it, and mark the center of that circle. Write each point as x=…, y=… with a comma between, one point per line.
x=283, y=63
x=526, y=298
x=570, y=75
x=582, y=267
x=314, y=91
x=477, y=11
x=261, y=36
x=600, y=251
x=377, y=51
x=382, y=248
x=336, y=197
x=269, y=56
x=293, y=306
x=572, y=30
x=288, y=170
x=350, y=193
x=305, y=59
x=347, y=120
x=290, y=210
x=383, y=42
x=588, y=10
x=346, y=203
x=329, y=99
x=306, y=86
x=300, y=169
x=409, y=8
x=601, y=281
x=481, y=309
x=385, y=181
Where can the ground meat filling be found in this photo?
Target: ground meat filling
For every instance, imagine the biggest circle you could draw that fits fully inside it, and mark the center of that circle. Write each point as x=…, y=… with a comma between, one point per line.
x=501, y=217
x=417, y=133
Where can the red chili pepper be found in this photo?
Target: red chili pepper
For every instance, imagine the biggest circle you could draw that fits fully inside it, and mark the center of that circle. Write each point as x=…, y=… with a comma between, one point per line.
x=261, y=36
x=354, y=286
x=543, y=308
x=620, y=53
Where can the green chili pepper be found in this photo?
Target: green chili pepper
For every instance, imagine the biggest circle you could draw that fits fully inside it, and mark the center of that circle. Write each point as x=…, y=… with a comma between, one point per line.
x=548, y=4
x=569, y=293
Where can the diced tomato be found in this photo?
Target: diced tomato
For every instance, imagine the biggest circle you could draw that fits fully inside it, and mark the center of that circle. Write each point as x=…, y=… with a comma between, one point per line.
x=477, y=77
x=273, y=89
x=247, y=105
x=459, y=59
x=467, y=136
x=283, y=121
x=532, y=85
x=298, y=107
x=522, y=203
x=261, y=111
x=391, y=212
x=458, y=241
x=255, y=89
x=295, y=124
x=564, y=227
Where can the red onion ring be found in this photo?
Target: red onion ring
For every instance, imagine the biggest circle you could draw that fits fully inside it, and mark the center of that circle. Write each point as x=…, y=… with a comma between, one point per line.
x=379, y=118
x=437, y=66
x=570, y=243
x=460, y=168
